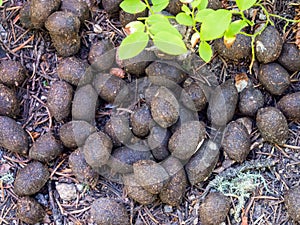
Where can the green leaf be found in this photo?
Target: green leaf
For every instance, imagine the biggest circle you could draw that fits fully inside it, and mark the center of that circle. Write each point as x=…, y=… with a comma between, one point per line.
x=161, y=26
x=1, y=2
x=133, y=6
x=245, y=4
x=156, y=18
x=133, y=44
x=184, y=19
x=195, y=3
x=159, y=5
x=235, y=27
x=215, y=25
x=169, y=43
x=203, y=4
x=186, y=1
x=202, y=14
x=205, y=51
x=186, y=9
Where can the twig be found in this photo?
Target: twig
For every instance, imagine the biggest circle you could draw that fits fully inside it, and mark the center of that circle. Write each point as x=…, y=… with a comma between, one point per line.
x=282, y=151
x=291, y=146
x=56, y=168
x=150, y=215
x=80, y=210
x=265, y=197
x=55, y=212
x=126, y=110
x=23, y=44
x=21, y=36
x=8, y=210
x=2, y=189
x=13, y=8
x=3, y=220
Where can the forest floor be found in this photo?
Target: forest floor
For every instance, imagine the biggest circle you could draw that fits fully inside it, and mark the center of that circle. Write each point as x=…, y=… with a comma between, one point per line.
x=35, y=51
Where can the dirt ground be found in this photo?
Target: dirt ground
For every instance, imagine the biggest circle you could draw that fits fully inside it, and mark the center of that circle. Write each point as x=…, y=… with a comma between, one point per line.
x=35, y=51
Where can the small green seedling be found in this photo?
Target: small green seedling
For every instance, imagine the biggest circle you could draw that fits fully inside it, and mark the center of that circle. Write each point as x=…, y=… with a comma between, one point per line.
x=157, y=27
x=214, y=24
x=207, y=25
x=45, y=83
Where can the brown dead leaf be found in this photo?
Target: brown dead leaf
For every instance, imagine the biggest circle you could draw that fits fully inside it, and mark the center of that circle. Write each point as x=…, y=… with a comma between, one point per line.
x=229, y=41
x=241, y=81
x=195, y=39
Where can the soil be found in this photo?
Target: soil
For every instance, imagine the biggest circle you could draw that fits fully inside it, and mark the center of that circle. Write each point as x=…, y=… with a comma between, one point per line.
x=36, y=52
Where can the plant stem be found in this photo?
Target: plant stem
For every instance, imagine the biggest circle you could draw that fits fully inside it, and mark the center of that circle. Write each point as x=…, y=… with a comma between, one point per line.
x=142, y=18
x=170, y=17
x=194, y=22
x=253, y=36
x=245, y=19
x=148, y=6
x=283, y=18
x=265, y=12
x=269, y=21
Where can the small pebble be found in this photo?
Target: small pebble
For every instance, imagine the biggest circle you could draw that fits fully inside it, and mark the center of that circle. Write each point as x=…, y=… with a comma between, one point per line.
x=168, y=209
x=67, y=192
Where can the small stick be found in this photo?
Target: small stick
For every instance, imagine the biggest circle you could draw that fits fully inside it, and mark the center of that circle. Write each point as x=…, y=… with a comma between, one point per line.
x=126, y=110
x=150, y=215
x=56, y=168
x=282, y=151
x=23, y=45
x=21, y=36
x=16, y=19
x=3, y=220
x=291, y=146
x=80, y=210
x=2, y=189
x=13, y=8
x=55, y=212
x=265, y=197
